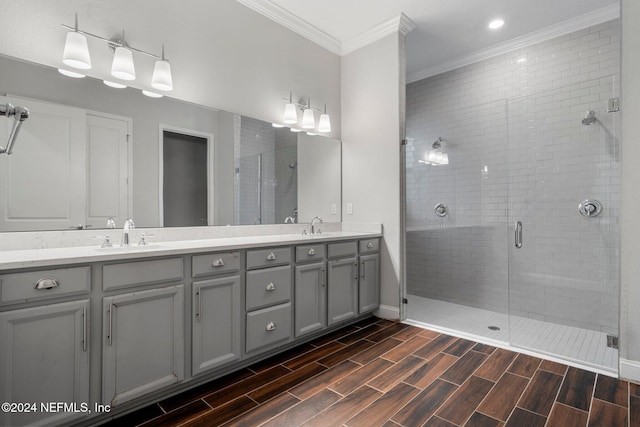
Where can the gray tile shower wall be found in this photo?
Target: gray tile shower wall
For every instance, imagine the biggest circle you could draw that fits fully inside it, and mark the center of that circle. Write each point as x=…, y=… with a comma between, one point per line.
x=518, y=152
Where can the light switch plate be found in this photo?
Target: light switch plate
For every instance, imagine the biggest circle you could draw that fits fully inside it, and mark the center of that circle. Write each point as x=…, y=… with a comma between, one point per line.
x=349, y=208
x=334, y=209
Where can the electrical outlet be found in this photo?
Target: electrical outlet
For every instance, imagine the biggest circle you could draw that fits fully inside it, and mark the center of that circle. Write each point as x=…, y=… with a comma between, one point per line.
x=334, y=209
x=349, y=208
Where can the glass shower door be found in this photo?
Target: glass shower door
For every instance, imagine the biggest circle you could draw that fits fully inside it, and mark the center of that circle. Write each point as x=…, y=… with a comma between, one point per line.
x=563, y=261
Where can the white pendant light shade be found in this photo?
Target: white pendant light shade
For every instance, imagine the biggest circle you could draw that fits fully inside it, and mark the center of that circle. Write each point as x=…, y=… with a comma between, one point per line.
x=114, y=84
x=308, y=119
x=290, y=114
x=76, y=51
x=294, y=130
x=70, y=73
x=161, y=79
x=151, y=94
x=324, y=125
x=122, y=66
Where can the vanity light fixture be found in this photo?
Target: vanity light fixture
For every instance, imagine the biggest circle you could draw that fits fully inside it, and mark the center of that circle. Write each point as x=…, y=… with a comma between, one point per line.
x=76, y=55
x=151, y=94
x=324, y=125
x=290, y=112
x=71, y=74
x=161, y=78
x=114, y=84
x=308, y=116
x=76, y=49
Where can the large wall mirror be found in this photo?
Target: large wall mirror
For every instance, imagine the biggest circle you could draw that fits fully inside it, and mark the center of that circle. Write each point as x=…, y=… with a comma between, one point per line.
x=90, y=152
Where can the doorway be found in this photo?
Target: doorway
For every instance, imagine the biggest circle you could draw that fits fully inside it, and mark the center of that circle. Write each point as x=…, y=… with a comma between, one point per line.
x=186, y=178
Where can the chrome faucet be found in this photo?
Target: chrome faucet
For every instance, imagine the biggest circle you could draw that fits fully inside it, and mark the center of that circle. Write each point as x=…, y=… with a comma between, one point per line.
x=289, y=220
x=314, y=221
x=128, y=225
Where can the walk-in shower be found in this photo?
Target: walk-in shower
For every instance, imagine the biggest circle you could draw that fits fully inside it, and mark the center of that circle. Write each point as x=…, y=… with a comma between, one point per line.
x=515, y=241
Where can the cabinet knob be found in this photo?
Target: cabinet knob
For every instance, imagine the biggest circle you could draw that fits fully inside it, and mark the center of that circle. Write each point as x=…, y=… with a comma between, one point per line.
x=370, y=245
x=271, y=326
x=218, y=263
x=46, y=283
x=271, y=287
x=311, y=252
x=271, y=257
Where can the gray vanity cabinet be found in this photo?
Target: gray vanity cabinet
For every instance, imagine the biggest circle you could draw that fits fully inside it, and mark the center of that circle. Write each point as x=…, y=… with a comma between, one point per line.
x=342, y=282
x=310, y=290
x=143, y=343
x=217, y=333
x=44, y=357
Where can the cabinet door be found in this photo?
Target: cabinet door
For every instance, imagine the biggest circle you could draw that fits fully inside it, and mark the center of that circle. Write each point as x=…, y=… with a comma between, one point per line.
x=143, y=343
x=216, y=323
x=44, y=357
x=343, y=289
x=311, y=298
x=369, y=288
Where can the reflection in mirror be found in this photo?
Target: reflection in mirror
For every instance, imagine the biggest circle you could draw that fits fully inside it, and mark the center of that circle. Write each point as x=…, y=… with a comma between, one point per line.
x=90, y=152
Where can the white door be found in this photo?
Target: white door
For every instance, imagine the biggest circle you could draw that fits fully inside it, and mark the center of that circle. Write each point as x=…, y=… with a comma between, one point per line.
x=42, y=183
x=107, y=170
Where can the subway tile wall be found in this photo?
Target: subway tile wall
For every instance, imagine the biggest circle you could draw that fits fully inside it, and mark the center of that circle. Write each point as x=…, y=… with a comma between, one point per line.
x=518, y=152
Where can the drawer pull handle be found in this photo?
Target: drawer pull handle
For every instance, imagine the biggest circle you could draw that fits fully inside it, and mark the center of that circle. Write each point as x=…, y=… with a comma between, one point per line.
x=218, y=263
x=370, y=245
x=271, y=326
x=47, y=283
x=271, y=257
x=271, y=287
x=311, y=252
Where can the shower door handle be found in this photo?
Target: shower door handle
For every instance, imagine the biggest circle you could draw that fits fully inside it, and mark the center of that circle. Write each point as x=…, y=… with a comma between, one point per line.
x=518, y=232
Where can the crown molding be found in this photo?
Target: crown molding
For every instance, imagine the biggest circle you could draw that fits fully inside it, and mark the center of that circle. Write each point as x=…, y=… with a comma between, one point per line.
x=294, y=23
x=400, y=23
x=595, y=17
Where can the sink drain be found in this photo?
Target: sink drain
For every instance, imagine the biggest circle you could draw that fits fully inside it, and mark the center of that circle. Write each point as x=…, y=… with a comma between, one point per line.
x=494, y=328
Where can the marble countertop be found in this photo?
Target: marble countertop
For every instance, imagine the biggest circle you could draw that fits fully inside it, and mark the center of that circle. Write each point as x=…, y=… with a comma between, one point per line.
x=30, y=258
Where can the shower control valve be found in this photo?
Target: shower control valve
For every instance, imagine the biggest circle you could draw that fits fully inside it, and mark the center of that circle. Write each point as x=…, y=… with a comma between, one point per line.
x=441, y=210
x=590, y=208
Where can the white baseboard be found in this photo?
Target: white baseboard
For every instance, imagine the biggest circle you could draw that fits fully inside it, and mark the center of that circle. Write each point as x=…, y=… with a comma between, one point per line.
x=629, y=370
x=387, y=312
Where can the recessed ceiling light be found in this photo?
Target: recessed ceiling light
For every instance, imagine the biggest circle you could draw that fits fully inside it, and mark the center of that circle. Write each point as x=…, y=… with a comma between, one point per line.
x=496, y=23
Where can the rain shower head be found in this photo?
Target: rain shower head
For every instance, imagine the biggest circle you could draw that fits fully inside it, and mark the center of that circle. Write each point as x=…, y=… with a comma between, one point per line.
x=437, y=143
x=589, y=118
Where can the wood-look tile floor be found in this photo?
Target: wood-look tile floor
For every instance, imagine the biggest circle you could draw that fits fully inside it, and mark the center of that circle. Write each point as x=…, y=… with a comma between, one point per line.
x=381, y=373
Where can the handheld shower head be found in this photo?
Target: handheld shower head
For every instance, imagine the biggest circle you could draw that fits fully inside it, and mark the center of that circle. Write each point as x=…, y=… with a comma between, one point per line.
x=20, y=114
x=589, y=118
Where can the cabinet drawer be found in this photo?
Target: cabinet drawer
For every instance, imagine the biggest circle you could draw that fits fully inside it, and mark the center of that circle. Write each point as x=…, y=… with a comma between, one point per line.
x=268, y=326
x=268, y=257
x=346, y=249
x=369, y=246
x=310, y=253
x=116, y=276
x=23, y=287
x=218, y=263
x=268, y=287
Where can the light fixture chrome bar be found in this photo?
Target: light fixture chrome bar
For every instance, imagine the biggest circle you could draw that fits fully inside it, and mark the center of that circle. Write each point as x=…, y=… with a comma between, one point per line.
x=303, y=105
x=116, y=44
x=20, y=114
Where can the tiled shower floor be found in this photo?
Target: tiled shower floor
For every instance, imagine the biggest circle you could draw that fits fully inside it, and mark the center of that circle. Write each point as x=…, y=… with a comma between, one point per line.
x=582, y=346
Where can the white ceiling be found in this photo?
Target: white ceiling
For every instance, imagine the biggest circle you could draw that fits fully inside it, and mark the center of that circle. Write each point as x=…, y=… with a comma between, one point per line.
x=446, y=30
